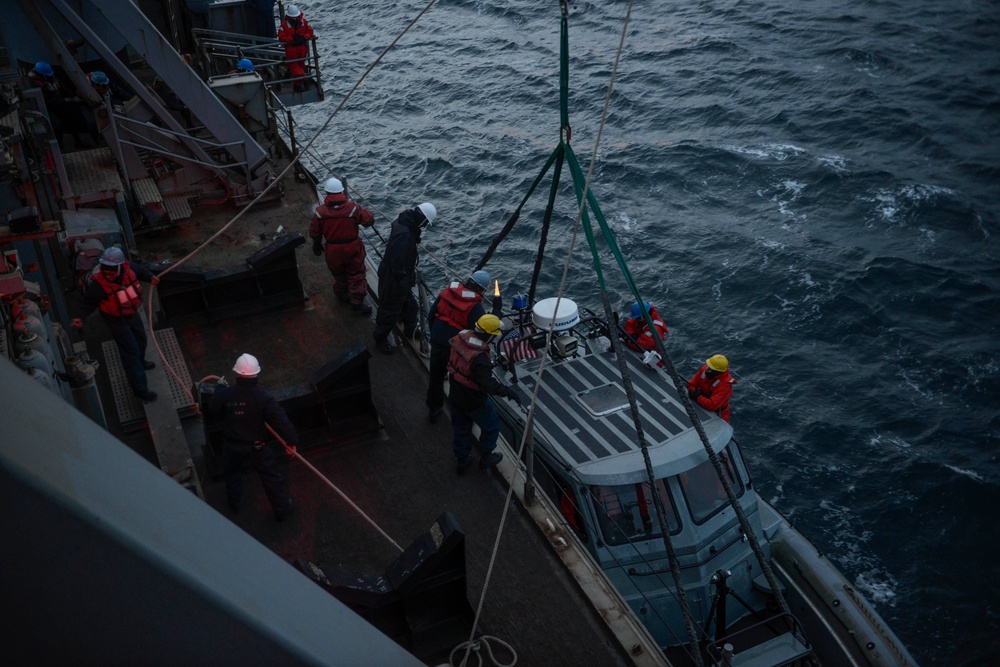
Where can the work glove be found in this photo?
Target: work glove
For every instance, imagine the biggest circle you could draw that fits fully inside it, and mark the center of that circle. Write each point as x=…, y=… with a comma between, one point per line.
x=299, y=40
x=516, y=395
x=693, y=394
x=498, y=304
x=317, y=247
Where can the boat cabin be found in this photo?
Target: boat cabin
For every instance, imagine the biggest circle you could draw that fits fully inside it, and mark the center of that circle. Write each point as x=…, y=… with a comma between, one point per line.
x=590, y=463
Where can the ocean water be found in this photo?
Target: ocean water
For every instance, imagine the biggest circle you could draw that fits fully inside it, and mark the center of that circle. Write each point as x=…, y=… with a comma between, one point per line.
x=810, y=188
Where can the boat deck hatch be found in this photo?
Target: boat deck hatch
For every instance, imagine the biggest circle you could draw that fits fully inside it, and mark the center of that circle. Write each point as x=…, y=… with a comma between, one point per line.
x=603, y=400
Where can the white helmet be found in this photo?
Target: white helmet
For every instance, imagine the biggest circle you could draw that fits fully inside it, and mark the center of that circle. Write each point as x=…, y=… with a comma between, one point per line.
x=333, y=186
x=293, y=11
x=247, y=366
x=112, y=256
x=429, y=211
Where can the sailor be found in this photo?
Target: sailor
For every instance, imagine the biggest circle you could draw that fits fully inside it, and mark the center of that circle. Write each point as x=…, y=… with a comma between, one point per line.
x=337, y=221
x=246, y=408
x=472, y=382
x=636, y=327
x=243, y=66
x=458, y=307
x=114, y=288
x=64, y=109
x=397, y=275
x=712, y=386
x=295, y=33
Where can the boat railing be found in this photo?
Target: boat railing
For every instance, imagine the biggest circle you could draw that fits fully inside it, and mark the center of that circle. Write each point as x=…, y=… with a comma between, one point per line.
x=219, y=52
x=140, y=135
x=764, y=642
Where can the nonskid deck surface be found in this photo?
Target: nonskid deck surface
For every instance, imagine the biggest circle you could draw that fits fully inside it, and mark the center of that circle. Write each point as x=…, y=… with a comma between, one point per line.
x=582, y=409
x=403, y=476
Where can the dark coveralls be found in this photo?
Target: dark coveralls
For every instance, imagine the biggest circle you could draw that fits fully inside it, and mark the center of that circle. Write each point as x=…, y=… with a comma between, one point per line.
x=127, y=329
x=336, y=221
x=472, y=404
x=397, y=276
x=65, y=112
x=246, y=407
x=442, y=330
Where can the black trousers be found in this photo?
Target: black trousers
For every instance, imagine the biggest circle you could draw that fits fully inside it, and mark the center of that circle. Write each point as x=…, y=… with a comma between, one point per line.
x=440, y=353
x=262, y=460
x=396, y=304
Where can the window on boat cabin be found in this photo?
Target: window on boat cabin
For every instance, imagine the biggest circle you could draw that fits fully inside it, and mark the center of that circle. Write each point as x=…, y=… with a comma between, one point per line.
x=703, y=491
x=627, y=512
x=560, y=491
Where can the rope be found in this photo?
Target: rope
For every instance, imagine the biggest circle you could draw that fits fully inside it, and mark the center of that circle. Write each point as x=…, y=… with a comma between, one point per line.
x=293, y=453
x=473, y=648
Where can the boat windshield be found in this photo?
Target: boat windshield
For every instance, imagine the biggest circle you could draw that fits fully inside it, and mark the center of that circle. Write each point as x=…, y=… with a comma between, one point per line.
x=627, y=513
x=703, y=490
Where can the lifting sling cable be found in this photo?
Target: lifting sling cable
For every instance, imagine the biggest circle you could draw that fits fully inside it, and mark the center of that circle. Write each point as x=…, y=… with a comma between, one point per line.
x=584, y=196
x=563, y=149
x=685, y=399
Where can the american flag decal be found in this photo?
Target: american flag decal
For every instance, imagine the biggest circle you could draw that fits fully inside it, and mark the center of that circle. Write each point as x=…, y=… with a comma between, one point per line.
x=517, y=349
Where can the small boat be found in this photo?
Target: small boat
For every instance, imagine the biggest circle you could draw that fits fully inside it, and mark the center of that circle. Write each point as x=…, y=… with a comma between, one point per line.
x=654, y=488
x=590, y=464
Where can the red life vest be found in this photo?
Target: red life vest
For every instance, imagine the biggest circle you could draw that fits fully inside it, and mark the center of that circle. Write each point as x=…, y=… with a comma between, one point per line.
x=465, y=347
x=454, y=305
x=122, y=299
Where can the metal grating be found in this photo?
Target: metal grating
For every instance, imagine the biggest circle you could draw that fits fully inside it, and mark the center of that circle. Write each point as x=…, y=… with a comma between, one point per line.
x=178, y=208
x=129, y=407
x=146, y=191
x=94, y=170
x=9, y=124
x=172, y=351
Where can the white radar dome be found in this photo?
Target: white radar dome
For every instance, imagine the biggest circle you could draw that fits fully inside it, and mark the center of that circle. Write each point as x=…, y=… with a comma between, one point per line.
x=545, y=317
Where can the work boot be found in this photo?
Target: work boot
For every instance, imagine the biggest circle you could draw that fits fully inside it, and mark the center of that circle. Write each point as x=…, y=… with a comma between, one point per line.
x=487, y=461
x=148, y=365
x=361, y=309
x=434, y=415
x=384, y=345
x=234, y=505
x=463, y=465
x=287, y=512
x=146, y=395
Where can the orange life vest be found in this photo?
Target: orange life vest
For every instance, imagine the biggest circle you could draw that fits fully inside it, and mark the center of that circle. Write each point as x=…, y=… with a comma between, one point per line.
x=122, y=299
x=465, y=347
x=454, y=305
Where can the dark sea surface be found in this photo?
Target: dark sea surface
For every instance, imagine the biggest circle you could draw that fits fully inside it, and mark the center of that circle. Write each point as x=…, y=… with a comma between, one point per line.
x=811, y=188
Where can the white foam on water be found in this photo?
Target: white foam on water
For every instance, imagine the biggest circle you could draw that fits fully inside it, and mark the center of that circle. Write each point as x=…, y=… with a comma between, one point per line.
x=971, y=474
x=878, y=587
x=838, y=163
x=892, y=204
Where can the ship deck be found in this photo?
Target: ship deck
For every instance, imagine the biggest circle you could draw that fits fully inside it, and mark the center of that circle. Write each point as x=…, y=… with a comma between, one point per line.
x=403, y=475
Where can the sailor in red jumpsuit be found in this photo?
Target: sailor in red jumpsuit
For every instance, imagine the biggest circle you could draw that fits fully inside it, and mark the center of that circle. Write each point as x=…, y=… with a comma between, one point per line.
x=337, y=221
x=295, y=33
x=712, y=386
x=637, y=328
